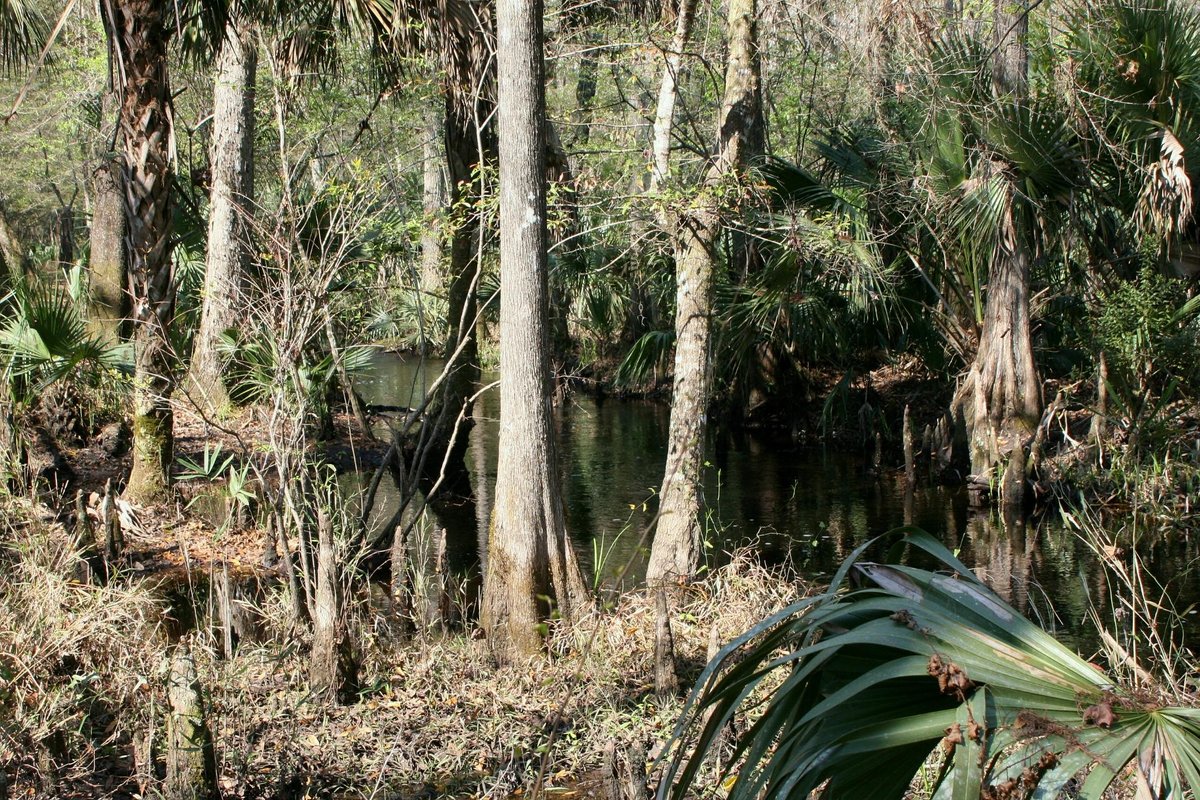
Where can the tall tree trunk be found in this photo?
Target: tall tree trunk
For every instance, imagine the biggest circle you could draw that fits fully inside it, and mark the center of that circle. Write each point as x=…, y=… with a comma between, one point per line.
x=107, y=261
x=529, y=555
x=434, y=202
x=675, y=553
x=743, y=120
x=231, y=199
x=466, y=148
x=668, y=94
x=1000, y=401
x=140, y=29
x=1010, y=59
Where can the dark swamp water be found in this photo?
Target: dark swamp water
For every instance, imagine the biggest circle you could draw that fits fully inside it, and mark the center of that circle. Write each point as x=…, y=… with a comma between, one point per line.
x=812, y=505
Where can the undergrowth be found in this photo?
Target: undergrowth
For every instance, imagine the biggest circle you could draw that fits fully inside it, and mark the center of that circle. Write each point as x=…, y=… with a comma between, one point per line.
x=82, y=711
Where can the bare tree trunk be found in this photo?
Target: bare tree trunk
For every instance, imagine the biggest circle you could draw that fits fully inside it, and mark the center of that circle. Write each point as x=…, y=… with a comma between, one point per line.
x=332, y=672
x=1000, y=401
x=668, y=94
x=1010, y=59
x=742, y=120
x=677, y=540
x=434, y=200
x=107, y=261
x=191, y=765
x=675, y=553
x=231, y=200
x=529, y=555
x=141, y=30
x=463, y=157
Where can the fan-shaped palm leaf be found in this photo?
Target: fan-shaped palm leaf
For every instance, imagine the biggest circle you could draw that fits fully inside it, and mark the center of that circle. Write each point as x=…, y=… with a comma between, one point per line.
x=874, y=681
x=44, y=337
x=23, y=32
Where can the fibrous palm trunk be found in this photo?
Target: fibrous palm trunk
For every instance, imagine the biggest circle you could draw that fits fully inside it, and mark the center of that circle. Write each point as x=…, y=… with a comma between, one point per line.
x=12, y=251
x=230, y=203
x=529, y=555
x=140, y=29
x=676, y=551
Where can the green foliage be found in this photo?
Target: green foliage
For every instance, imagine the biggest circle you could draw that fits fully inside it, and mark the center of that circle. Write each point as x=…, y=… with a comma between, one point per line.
x=254, y=368
x=1147, y=329
x=44, y=338
x=859, y=688
x=210, y=467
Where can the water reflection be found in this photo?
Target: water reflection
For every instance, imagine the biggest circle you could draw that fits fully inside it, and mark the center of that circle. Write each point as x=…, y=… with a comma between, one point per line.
x=810, y=505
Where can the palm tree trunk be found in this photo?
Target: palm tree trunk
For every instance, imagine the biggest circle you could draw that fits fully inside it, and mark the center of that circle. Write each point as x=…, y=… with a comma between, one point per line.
x=141, y=31
x=1010, y=61
x=231, y=201
x=107, y=261
x=529, y=555
x=675, y=553
x=12, y=251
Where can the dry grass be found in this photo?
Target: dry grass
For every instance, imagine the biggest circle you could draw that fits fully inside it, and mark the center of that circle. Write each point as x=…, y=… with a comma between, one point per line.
x=440, y=720
x=81, y=690
x=77, y=663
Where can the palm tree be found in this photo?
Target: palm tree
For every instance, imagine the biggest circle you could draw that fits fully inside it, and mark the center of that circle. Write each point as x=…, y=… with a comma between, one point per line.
x=23, y=33
x=1139, y=72
x=139, y=33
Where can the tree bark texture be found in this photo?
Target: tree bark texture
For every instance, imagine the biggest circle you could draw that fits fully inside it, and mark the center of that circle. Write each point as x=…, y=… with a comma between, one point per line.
x=231, y=201
x=1010, y=61
x=676, y=551
x=142, y=31
x=529, y=555
x=434, y=202
x=743, y=129
x=12, y=250
x=668, y=94
x=191, y=765
x=332, y=672
x=108, y=262
x=1000, y=401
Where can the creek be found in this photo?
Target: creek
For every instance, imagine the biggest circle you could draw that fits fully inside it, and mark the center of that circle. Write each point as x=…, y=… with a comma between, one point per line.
x=810, y=505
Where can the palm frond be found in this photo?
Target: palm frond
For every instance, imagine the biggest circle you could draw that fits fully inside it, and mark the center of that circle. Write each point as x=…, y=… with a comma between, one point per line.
x=23, y=32
x=648, y=354
x=44, y=337
x=856, y=689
